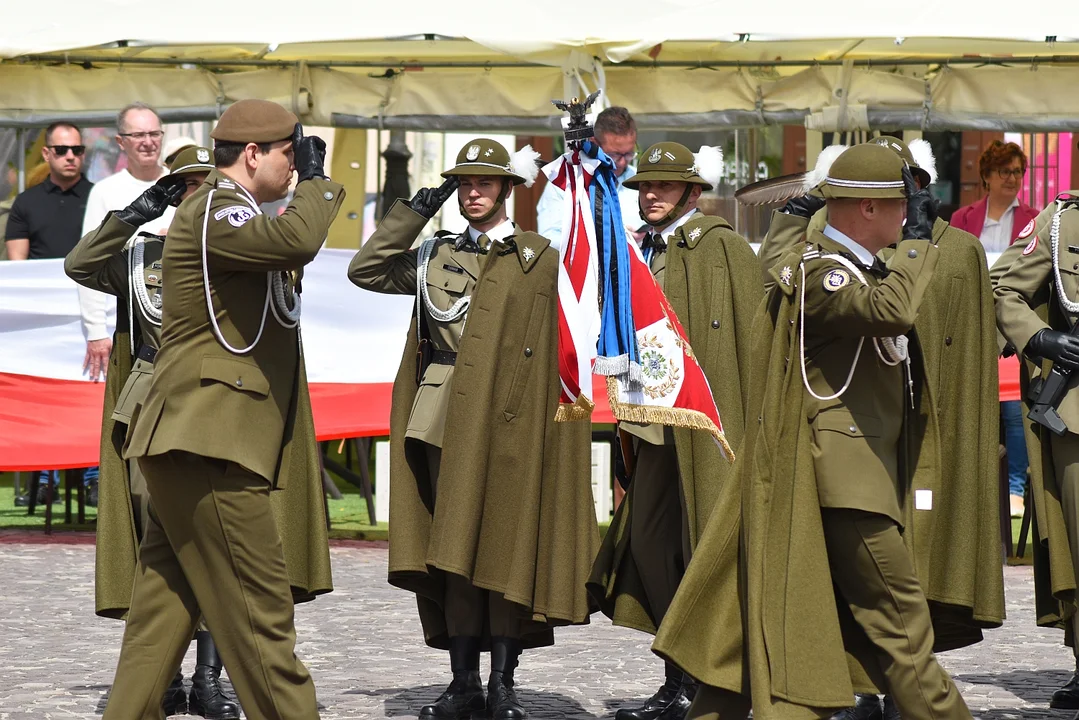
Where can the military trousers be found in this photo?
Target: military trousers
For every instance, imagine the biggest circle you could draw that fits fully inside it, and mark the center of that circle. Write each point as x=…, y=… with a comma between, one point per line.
x=1065, y=451
x=471, y=611
x=658, y=526
x=210, y=547
x=873, y=572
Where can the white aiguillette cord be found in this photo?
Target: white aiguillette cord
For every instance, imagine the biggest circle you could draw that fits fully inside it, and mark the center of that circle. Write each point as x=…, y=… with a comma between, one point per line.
x=895, y=349
x=275, y=290
x=459, y=308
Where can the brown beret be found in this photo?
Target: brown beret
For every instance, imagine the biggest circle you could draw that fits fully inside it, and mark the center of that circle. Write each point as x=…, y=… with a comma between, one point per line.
x=257, y=121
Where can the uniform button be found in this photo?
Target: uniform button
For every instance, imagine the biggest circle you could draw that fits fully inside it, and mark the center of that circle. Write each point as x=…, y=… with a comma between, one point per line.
x=912, y=254
x=715, y=324
x=1075, y=266
x=853, y=429
x=446, y=284
x=948, y=340
x=239, y=382
x=328, y=195
x=528, y=352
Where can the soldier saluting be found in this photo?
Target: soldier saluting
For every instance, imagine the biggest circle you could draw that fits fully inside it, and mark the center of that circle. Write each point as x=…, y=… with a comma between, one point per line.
x=224, y=422
x=712, y=279
x=494, y=526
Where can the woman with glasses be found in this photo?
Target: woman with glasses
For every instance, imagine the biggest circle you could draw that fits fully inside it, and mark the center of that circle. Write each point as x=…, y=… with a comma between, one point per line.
x=999, y=217
x=997, y=220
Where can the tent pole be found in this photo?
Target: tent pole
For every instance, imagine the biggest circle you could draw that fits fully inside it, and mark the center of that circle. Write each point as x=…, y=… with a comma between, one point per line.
x=20, y=157
x=1045, y=170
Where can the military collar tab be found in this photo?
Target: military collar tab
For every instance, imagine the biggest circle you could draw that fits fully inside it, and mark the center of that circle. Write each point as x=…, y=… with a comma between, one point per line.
x=529, y=247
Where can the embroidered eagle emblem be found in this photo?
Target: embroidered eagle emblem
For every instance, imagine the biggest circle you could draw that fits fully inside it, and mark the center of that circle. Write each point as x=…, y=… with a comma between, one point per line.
x=473, y=152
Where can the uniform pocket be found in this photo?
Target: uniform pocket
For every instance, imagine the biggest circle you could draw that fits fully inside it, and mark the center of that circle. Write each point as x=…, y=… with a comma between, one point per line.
x=235, y=373
x=537, y=321
x=430, y=398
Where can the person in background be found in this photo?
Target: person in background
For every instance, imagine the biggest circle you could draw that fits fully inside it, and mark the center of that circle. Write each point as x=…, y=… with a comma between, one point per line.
x=616, y=133
x=997, y=220
x=46, y=222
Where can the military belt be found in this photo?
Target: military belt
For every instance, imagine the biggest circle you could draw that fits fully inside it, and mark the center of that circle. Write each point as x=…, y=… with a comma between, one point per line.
x=444, y=357
x=147, y=353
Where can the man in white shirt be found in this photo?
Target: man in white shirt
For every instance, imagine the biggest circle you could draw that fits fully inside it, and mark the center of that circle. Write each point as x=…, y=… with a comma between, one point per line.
x=139, y=134
x=616, y=133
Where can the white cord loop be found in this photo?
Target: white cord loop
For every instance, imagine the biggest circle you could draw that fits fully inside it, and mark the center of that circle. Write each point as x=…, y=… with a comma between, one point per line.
x=1054, y=242
x=891, y=351
x=459, y=308
x=276, y=286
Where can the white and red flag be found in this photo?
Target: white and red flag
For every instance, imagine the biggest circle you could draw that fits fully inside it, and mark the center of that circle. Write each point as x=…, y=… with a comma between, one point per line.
x=613, y=318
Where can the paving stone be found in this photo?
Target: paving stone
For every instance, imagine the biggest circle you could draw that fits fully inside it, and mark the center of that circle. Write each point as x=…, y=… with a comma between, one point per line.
x=363, y=647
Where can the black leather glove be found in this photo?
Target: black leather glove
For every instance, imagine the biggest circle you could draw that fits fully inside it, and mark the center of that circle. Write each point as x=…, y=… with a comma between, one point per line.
x=1008, y=351
x=805, y=206
x=154, y=201
x=1061, y=348
x=309, y=155
x=921, y=210
x=427, y=201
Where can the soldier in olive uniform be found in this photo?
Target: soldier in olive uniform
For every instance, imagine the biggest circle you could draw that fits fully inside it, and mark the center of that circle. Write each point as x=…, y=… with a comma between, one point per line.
x=822, y=480
x=1036, y=283
x=712, y=279
x=218, y=427
x=103, y=261
x=491, y=505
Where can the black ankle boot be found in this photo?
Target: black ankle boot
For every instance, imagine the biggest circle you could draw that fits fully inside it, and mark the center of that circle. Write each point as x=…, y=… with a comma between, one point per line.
x=866, y=707
x=464, y=695
x=175, y=700
x=1067, y=697
x=207, y=698
x=501, y=697
x=670, y=702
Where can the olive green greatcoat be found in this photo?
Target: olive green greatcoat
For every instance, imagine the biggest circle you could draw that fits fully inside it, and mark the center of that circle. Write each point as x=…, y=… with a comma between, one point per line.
x=756, y=612
x=1028, y=283
x=99, y=262
x=712, y=280
x=955, y=546
x=521, y=519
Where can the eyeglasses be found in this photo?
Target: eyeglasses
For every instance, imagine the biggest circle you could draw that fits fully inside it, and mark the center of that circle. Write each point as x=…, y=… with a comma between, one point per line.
x=140, y=136
x=627, y=157
x=1005, y=173
x=62, y=150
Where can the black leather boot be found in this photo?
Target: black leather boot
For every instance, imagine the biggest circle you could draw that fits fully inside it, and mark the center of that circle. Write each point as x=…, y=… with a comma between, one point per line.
x=175, y=700
x=670, y=701
x=207, y=698
x=1067, y=697
x=866, y=707
x=501, y=697
x=464, y=695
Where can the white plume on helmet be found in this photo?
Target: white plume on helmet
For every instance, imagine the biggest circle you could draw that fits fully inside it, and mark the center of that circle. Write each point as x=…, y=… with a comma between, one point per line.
x=524, y=163
x=922, y=152
x=819, y=172
x=708, y=163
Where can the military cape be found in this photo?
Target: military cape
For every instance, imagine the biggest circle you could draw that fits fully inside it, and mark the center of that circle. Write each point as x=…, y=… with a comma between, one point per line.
x=711, y=276
x=756, y=612
x=955, y=546
x=517, y=515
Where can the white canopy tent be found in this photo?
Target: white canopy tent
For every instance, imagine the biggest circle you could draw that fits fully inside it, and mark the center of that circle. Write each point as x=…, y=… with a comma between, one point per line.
x=433, y=65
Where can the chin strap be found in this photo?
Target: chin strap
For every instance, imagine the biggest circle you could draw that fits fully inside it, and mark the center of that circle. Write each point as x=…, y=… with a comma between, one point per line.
x=674, y=214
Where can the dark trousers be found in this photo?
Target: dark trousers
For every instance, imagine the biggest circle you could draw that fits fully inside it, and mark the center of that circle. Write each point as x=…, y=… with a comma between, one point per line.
x=659, y=533
x=211, y=547
x=471, y=610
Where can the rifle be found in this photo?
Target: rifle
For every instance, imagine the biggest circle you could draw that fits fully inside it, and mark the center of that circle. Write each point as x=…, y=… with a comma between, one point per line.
x=1047, y=392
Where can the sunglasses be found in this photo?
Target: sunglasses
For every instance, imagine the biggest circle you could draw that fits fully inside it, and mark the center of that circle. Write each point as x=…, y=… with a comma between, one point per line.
x=62, y=150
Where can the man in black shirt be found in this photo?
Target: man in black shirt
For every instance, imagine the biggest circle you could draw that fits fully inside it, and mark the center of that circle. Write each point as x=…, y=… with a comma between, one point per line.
x=46, y=222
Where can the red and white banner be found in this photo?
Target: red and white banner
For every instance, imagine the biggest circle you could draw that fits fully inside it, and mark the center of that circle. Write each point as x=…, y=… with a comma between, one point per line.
x=50, y=414
x=578, y=294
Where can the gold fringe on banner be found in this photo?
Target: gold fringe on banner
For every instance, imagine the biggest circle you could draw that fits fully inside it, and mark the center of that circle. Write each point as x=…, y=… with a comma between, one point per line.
x=579, y=410
x=675, y=417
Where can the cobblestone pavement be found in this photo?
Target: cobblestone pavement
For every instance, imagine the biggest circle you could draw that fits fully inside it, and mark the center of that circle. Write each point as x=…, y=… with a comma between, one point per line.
x=363, y=647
